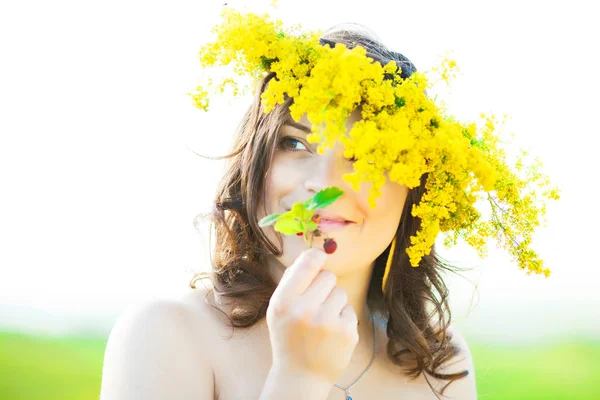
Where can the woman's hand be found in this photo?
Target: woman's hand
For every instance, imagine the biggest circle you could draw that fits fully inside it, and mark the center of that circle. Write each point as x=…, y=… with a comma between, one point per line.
x=313, y=330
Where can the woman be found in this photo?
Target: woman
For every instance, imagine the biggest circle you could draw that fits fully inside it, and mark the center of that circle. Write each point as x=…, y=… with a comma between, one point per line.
x=278, y=321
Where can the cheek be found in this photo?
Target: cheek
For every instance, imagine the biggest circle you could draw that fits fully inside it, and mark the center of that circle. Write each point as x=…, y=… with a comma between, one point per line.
x=389, y=204
x=388, y=209
x=281, y=180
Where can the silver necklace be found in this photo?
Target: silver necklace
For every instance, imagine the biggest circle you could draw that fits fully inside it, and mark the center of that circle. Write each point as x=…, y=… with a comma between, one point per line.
x=347, y=388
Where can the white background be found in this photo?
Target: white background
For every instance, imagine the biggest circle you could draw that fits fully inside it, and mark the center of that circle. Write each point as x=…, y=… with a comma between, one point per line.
x=99, y=184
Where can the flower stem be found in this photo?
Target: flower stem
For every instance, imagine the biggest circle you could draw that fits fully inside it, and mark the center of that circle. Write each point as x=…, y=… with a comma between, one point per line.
x=306, y=240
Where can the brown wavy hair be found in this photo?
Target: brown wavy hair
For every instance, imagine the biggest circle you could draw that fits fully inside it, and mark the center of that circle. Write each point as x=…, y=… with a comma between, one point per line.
x=415, y=303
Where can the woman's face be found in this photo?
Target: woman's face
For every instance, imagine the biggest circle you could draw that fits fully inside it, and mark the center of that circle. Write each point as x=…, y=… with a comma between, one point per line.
x=298, y=172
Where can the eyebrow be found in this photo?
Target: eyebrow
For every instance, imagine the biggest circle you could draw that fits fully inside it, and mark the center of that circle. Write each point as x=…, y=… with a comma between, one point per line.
x=296, y=125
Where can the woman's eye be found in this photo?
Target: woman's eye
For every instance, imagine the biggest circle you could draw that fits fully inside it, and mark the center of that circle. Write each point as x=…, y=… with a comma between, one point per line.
x=288, y=141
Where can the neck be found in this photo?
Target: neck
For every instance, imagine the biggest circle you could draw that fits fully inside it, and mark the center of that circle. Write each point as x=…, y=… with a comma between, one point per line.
x=356, y=286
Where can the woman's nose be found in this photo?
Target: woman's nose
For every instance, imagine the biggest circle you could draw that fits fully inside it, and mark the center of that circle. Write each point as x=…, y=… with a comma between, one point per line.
x=325, y=171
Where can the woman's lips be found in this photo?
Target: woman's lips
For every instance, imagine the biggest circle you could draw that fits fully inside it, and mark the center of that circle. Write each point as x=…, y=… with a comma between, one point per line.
x=326, y=225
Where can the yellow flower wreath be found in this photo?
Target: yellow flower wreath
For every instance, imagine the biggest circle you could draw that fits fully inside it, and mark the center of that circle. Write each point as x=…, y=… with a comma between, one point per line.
x=403, y=134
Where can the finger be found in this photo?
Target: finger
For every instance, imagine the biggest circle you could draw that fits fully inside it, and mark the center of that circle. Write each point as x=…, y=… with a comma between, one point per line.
x=319, y=289
x=302, y=272
x=336, y=301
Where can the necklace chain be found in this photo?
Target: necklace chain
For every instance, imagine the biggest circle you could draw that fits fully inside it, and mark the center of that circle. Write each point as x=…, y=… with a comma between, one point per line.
x=347, y=388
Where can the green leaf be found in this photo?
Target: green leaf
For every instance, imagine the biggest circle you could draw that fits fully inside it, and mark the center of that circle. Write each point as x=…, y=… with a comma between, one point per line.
x=268, y=220
x=400, y=102
x=288, y=226
x=325, y=197
x=298, y=210
x=311, y=226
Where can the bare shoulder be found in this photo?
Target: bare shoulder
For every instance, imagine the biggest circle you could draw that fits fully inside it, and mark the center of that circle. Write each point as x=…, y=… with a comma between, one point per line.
x=156, y=351
x=207, y=316
x=463, y=388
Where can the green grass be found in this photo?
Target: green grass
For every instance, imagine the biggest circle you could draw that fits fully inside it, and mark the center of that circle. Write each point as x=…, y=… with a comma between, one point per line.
x=35, y=368
x=567, y=370
x=45, y=368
